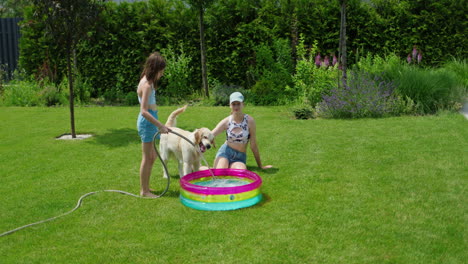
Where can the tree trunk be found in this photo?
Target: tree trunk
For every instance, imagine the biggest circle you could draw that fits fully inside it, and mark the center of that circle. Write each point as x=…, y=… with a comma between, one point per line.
x=343, y=43
x=70, y=85
x=203, y=54
x=294, y=37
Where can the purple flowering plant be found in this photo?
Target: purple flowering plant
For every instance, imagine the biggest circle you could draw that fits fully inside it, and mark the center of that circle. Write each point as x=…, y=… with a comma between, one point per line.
x=415, y=56
x=364, y=96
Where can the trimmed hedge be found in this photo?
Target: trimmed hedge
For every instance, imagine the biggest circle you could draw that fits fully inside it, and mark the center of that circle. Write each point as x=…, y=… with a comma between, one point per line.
x=110, y=59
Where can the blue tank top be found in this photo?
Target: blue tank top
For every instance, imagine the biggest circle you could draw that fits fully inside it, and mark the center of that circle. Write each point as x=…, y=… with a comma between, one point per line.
x=152, y=97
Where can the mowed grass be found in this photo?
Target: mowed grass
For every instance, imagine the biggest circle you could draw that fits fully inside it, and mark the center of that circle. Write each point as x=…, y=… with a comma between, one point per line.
x=389, y=190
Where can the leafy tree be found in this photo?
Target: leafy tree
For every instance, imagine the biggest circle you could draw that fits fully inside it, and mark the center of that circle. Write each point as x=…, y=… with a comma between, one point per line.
x=67, y=22
x=13, y=8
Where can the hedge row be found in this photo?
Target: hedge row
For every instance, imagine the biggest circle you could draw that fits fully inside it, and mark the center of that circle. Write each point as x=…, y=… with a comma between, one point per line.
x=111, y=58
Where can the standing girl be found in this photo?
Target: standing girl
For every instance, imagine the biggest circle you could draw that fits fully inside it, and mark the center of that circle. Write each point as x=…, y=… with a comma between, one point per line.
x=148, y=123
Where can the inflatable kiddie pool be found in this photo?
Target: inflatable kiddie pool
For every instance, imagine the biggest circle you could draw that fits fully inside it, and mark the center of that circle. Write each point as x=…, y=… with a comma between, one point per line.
x=229, y=189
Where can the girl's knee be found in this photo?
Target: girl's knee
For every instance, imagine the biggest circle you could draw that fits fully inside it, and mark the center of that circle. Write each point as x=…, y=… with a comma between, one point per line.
x=152, y=158
x=238, y=165
x=149, y=158
x=221, y=163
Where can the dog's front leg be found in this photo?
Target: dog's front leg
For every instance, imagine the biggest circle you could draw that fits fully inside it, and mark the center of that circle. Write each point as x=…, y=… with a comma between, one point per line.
x=164, y=171
x=187, y=168
x=181, y=169
x=196, y=166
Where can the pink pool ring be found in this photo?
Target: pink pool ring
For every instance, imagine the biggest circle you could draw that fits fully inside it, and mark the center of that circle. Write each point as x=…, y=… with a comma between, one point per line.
x=242, y=189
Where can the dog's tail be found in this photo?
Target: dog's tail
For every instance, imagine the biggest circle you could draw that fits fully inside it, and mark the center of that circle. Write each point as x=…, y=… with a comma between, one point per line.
x=172, y=119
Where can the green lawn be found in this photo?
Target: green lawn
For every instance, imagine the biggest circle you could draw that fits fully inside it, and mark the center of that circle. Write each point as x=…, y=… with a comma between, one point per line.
x=389, y=190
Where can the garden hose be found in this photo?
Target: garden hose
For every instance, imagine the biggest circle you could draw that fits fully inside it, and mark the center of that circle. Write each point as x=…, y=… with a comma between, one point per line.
x=164, y=164
x=116, y=191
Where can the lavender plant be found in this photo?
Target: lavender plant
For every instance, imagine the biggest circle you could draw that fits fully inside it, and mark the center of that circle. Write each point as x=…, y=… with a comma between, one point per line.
x=364, y=96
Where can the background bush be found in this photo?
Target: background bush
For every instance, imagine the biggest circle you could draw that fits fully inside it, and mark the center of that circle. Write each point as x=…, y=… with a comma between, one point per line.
x=428, y=90
x=241, y=36
x=272, y=73
x=364, y=96
x=221, y=92
x=21, y=93
x=434, y=89
x=176, y=80
x=312, y=79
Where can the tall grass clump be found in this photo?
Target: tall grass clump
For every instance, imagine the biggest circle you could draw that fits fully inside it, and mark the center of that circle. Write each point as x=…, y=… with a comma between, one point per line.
x=432, y=89
x=23, y=91
x=20, y=93
x=460, y=69
x=429, y=90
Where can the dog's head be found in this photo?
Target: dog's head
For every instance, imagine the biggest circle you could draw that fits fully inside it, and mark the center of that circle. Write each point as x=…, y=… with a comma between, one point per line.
x=204, y=139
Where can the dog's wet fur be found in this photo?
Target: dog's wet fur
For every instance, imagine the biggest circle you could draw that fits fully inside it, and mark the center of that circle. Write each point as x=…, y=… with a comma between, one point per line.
x=172, y=145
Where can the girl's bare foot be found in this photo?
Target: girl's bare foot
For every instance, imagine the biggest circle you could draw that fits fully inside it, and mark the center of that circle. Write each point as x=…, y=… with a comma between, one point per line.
x=148, y=194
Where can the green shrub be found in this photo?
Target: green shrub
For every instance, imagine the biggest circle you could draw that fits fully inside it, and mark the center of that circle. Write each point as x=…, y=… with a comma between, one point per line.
x=82, y=89
x=50, y=95
x=131, y=98
x=311, y=82
x=460, y=69
x=176, y=82
x=305, y=112
x=263, y=93
x=377, y=65
x=21, y=93
x=405, y=106
x=114, y=96
x=272, y=73
x=220, y=92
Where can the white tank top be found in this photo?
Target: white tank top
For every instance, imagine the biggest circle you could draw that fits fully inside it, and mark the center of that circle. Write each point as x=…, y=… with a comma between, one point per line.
x=243, y=136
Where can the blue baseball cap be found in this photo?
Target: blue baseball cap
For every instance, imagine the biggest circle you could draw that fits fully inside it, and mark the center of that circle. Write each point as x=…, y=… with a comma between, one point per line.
x=236, y=97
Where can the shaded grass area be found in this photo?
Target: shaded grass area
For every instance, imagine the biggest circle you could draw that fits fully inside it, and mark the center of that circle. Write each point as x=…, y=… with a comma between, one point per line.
x=387, y=190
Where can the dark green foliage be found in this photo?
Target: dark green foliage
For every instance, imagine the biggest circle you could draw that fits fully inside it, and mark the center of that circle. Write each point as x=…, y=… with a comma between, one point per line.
x=240, y=35
x=303, y=112
x=52, y=96
x=272, y=72
x=13, y=8
x=221, y=92
x=131, y=98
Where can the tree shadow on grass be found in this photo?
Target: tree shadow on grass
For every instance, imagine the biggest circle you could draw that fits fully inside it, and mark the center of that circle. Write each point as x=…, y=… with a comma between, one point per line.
x=115, y=138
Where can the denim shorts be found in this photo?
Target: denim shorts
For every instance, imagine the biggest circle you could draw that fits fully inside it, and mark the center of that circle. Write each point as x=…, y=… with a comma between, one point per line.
x=231, y=154
x=146, y=129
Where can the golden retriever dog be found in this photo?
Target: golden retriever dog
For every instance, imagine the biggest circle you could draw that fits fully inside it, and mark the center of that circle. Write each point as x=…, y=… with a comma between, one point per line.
x=172, y=145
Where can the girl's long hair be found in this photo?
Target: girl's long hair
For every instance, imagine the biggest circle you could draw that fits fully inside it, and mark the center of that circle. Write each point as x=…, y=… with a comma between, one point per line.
x=154, y=64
